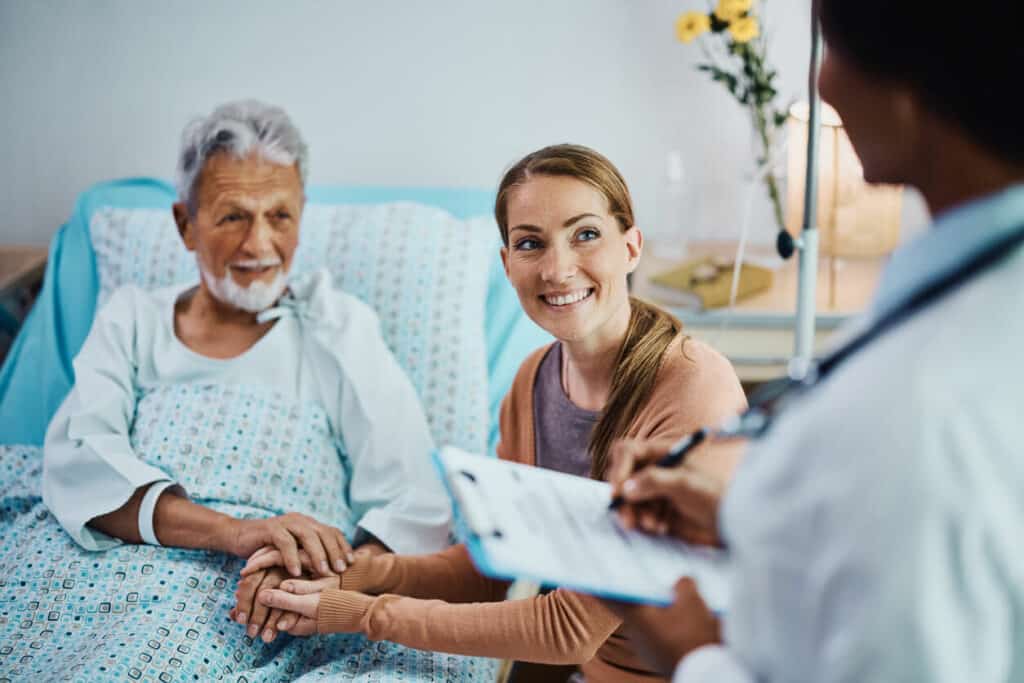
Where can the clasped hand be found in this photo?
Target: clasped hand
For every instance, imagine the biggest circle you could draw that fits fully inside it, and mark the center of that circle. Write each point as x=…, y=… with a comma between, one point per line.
x=327, y=550
x=270, y=601
x=301, y=545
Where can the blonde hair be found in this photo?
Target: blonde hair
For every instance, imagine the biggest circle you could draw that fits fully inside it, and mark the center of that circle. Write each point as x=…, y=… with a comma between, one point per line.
x=651, y=329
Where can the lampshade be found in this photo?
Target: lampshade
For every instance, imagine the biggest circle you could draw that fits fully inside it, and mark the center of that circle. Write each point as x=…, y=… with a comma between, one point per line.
x=855, y=219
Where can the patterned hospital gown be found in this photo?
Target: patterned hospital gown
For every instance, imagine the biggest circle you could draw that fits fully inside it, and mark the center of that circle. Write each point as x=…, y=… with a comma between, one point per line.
x=146, y=613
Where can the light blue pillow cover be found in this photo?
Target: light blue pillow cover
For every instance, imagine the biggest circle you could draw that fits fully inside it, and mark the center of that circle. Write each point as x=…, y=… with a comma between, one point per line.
x=406, y=258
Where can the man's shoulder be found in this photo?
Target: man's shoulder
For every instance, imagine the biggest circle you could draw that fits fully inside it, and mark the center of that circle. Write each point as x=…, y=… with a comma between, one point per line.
x=129, y=302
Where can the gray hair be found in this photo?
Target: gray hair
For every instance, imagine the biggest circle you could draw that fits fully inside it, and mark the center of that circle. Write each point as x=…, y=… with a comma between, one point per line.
x=238, y=128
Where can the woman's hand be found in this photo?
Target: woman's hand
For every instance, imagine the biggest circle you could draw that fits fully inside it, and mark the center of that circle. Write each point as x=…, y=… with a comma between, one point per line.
x=681, y=501
x=664, y=635
x=300, y=607
x=257, y=617
x=326, y=547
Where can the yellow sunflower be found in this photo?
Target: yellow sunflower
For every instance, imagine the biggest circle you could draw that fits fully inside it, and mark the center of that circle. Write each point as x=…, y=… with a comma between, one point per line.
x=744, y=30
x=730, y=10
x=692, y=24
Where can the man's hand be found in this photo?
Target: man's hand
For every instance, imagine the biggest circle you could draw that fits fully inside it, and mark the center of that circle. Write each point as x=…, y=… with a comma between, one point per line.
x=326, y=547
x=257, y=617
x=269, y=556
x=664, y=635
x=681, y=501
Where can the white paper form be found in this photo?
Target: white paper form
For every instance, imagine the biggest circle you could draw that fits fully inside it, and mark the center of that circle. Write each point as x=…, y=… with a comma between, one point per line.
x=556, y=529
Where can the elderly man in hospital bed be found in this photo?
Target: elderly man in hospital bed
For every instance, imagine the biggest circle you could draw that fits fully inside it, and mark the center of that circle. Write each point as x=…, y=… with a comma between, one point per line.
x=218, y=417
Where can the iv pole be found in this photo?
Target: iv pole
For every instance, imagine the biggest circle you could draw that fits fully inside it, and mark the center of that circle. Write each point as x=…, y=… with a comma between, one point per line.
x=803, y=352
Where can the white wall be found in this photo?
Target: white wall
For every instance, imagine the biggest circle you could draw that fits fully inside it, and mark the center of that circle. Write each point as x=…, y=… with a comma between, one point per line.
x=447, y=92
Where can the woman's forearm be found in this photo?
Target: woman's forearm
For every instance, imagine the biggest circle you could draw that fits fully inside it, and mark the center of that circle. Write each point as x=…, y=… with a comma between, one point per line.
x=446, y=575
x=177, y=522
x=557, y=628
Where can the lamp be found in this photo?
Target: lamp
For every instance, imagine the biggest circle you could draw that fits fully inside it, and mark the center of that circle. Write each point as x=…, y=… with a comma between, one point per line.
x=855, y=220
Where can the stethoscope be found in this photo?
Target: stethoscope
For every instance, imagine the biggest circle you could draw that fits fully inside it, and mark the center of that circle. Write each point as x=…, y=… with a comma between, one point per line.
x=769, y=400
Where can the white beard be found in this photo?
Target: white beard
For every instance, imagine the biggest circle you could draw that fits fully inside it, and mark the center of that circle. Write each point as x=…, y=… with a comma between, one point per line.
x=256, y=298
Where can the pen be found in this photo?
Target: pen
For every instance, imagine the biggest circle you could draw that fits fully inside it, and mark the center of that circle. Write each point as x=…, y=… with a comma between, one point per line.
x=674, y=456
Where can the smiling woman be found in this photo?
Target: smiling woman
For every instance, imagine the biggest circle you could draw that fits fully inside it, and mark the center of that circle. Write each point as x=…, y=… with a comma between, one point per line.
x=566, y=218
x=618, y=368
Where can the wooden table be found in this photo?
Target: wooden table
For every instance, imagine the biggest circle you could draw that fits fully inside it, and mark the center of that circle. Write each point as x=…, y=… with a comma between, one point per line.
x=758, y=334
x=21, y=267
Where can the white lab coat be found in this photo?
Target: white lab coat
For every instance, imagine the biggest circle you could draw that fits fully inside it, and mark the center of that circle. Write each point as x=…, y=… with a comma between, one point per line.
x=877, y=531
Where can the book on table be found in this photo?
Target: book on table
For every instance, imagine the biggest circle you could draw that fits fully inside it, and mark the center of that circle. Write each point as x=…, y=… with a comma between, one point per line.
x=706, y=282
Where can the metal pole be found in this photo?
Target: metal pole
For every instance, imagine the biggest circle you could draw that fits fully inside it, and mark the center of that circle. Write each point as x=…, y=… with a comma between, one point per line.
x=808, y=243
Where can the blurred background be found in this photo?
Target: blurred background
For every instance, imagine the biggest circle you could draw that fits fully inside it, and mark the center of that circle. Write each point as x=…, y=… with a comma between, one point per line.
x=442, y=93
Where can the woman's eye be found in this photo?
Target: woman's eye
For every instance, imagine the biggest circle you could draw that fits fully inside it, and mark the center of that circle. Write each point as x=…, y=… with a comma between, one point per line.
x=588, y=234
x=527, y=244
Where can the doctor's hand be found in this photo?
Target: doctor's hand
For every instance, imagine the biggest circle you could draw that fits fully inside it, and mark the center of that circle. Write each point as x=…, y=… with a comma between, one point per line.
x=681, y=501
x=664, y=635
x=326, y=548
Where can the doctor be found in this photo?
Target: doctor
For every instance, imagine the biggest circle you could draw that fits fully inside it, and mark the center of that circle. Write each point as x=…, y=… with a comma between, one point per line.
x=877, y=529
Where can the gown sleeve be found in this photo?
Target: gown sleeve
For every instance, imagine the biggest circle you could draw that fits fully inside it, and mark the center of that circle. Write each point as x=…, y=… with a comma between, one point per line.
x=89, y=466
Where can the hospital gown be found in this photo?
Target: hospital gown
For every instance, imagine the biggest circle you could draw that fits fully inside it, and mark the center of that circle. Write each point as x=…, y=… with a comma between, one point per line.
x=315, y=418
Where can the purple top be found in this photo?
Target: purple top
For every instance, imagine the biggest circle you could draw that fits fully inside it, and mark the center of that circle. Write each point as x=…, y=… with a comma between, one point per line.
x=562, y=428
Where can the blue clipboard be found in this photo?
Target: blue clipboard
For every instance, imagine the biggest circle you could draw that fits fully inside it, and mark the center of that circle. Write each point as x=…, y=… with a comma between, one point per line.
x=554, y=529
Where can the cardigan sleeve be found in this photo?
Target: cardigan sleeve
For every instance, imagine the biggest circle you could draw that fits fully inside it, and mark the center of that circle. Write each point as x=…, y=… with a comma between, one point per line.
x=446, y=575
x=560, y=627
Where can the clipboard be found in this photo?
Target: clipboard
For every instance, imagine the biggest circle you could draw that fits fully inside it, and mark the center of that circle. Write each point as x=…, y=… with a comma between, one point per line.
x=555, y=529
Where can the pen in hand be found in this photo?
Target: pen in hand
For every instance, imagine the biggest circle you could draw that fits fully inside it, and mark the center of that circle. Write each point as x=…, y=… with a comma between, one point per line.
x=674, y=456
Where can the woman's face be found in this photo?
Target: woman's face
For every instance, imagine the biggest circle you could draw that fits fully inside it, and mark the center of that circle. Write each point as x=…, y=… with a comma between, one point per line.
x=568, y=259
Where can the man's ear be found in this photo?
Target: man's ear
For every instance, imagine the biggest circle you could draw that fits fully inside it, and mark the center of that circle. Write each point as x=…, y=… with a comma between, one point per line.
x=183, y=220
x=634, y=246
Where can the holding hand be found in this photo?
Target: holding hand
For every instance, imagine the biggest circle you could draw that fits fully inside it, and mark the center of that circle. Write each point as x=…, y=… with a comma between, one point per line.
x=299, y=601
x=326, y=549
x=249, y=612
x=681, y=501
x=664, y=635
x=269, y=556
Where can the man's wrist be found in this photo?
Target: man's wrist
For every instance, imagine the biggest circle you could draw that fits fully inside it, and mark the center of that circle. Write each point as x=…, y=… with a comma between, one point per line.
x=223, y=535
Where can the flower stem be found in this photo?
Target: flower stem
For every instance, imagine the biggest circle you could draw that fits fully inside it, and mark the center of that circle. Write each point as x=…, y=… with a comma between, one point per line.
x=761, y=125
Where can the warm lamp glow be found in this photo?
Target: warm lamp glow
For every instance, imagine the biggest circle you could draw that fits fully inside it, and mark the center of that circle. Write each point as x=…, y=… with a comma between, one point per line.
x=854, y=219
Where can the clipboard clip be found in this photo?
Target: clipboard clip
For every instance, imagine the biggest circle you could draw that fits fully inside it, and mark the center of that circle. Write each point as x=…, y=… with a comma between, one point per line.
x=472, y=507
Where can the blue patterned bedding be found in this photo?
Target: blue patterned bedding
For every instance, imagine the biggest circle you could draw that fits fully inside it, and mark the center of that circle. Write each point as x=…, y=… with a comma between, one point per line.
x=146, y=613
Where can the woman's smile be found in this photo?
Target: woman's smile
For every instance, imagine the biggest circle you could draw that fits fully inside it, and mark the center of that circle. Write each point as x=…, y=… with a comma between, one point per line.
x=567, y=300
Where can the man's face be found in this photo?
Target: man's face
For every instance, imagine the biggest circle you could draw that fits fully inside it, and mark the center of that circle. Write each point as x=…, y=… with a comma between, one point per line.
x=878, y=116
x=246, y=225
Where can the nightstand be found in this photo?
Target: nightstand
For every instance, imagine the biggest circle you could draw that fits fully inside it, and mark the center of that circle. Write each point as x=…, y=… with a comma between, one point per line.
x=758, y=335
x=21, y=274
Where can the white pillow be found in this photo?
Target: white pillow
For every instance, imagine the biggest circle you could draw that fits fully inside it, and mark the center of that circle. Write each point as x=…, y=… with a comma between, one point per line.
x=424, y=271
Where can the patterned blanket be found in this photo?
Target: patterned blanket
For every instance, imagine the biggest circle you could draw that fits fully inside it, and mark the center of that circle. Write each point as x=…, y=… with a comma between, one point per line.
x=147, y=613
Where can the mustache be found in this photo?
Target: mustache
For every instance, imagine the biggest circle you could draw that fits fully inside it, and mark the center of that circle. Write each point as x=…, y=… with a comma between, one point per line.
x=267, y=262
